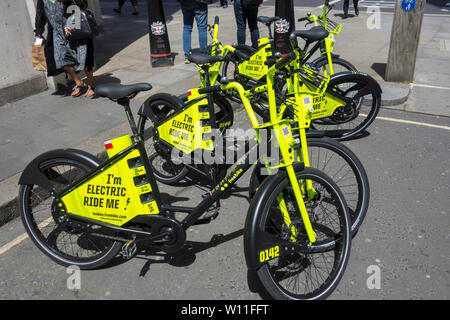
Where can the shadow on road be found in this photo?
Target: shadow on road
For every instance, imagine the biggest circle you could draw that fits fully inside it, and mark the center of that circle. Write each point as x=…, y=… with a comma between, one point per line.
x=186, y=256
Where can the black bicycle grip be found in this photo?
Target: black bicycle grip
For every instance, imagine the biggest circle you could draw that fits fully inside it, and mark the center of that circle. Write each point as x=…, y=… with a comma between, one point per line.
x=241, y=54
x=209, y=89
x=286, y=59
x=216, y=20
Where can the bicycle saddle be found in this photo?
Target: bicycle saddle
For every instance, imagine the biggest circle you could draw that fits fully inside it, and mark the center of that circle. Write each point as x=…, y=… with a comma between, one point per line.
x=116, y=91
x=314, y=34
x=267, y=20
x=200, y=58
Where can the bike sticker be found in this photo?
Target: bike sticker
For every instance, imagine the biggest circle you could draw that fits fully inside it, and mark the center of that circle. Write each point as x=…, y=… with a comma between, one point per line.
x=286, y=131
x=184, y=130
x=307, y=100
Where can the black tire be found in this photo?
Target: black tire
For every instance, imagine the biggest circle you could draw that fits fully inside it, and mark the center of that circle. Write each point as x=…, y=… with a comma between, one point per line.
x=290, y=276
x=230, y=65
x=65, y=245
x=352, y=119
x=164, y=170
x=339, y=163
x=343, y=65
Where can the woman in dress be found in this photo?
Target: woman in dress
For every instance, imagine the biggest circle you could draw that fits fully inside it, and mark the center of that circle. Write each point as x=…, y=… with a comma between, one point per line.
x=70, y=56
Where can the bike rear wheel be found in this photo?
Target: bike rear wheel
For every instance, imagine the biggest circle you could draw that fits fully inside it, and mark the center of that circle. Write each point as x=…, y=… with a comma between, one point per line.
x=363, y=102
x=313, y=272
x=339, y=65
x=66, y=245
x=164, y=170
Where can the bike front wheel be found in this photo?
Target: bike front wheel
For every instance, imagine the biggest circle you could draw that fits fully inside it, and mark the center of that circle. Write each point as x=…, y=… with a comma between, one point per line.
x=296, y=269
x=343, y=167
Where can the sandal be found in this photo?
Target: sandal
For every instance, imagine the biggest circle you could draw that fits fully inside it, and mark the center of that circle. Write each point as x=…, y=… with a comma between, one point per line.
x=90, y=93
x=78, y=90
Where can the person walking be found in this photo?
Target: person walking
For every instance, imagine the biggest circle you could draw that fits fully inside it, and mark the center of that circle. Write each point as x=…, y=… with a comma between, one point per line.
x=346, y=5
x=224, y=3
x=246, y=11
x=122, y=2
x=198, y=10
x=71, y=56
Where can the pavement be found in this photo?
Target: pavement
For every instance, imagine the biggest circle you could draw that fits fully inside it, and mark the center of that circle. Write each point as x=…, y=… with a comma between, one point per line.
x=51, y=120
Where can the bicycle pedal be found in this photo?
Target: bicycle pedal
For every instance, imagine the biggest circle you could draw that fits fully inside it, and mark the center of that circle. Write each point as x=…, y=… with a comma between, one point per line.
x=211, y=214
x=129, y=250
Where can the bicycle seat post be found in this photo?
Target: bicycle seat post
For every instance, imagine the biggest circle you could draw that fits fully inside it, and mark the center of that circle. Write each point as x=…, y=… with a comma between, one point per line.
x=125, y=102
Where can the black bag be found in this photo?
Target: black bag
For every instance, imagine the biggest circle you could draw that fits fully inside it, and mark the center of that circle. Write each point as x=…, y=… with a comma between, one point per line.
x=251, y=4
x=85, y=29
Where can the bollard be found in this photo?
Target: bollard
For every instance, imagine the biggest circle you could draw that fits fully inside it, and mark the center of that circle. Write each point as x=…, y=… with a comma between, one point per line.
x=284, y=27
x=160, y=54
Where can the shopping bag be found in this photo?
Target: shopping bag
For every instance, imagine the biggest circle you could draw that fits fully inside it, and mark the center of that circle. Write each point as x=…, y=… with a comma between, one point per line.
x=38, y=58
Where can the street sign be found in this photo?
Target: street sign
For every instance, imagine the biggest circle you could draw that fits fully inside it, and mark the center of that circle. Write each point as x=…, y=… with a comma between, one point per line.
x=408, y=5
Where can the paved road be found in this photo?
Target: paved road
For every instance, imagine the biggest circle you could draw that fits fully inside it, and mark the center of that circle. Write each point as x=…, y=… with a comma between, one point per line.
x=405, y=235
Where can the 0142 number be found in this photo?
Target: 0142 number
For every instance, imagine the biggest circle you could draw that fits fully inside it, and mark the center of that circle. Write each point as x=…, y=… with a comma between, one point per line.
x=269, y=254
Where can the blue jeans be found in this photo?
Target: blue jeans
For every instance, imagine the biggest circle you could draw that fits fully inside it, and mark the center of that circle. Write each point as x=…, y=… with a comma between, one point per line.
x=242, y=17
x=199, y=11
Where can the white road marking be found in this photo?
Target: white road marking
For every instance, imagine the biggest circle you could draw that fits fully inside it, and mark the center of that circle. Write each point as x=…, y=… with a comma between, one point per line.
x=428, y=86
x=410, y=122
x=22, y=237
x=332, y=2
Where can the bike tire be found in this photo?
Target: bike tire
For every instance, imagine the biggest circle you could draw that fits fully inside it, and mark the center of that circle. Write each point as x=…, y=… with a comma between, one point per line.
x=343, y=167
x=346, y=66
x=164, y=170
x=67, y=246
x=290, y=275
x=355, y=117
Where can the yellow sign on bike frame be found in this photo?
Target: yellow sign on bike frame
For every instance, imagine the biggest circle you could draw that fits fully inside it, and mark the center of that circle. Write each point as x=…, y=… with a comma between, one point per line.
x=116, y=194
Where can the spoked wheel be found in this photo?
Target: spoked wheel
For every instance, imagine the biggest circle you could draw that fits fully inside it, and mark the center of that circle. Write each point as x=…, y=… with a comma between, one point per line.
x=301, y=270
x=45, y=224
x=362, y=104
